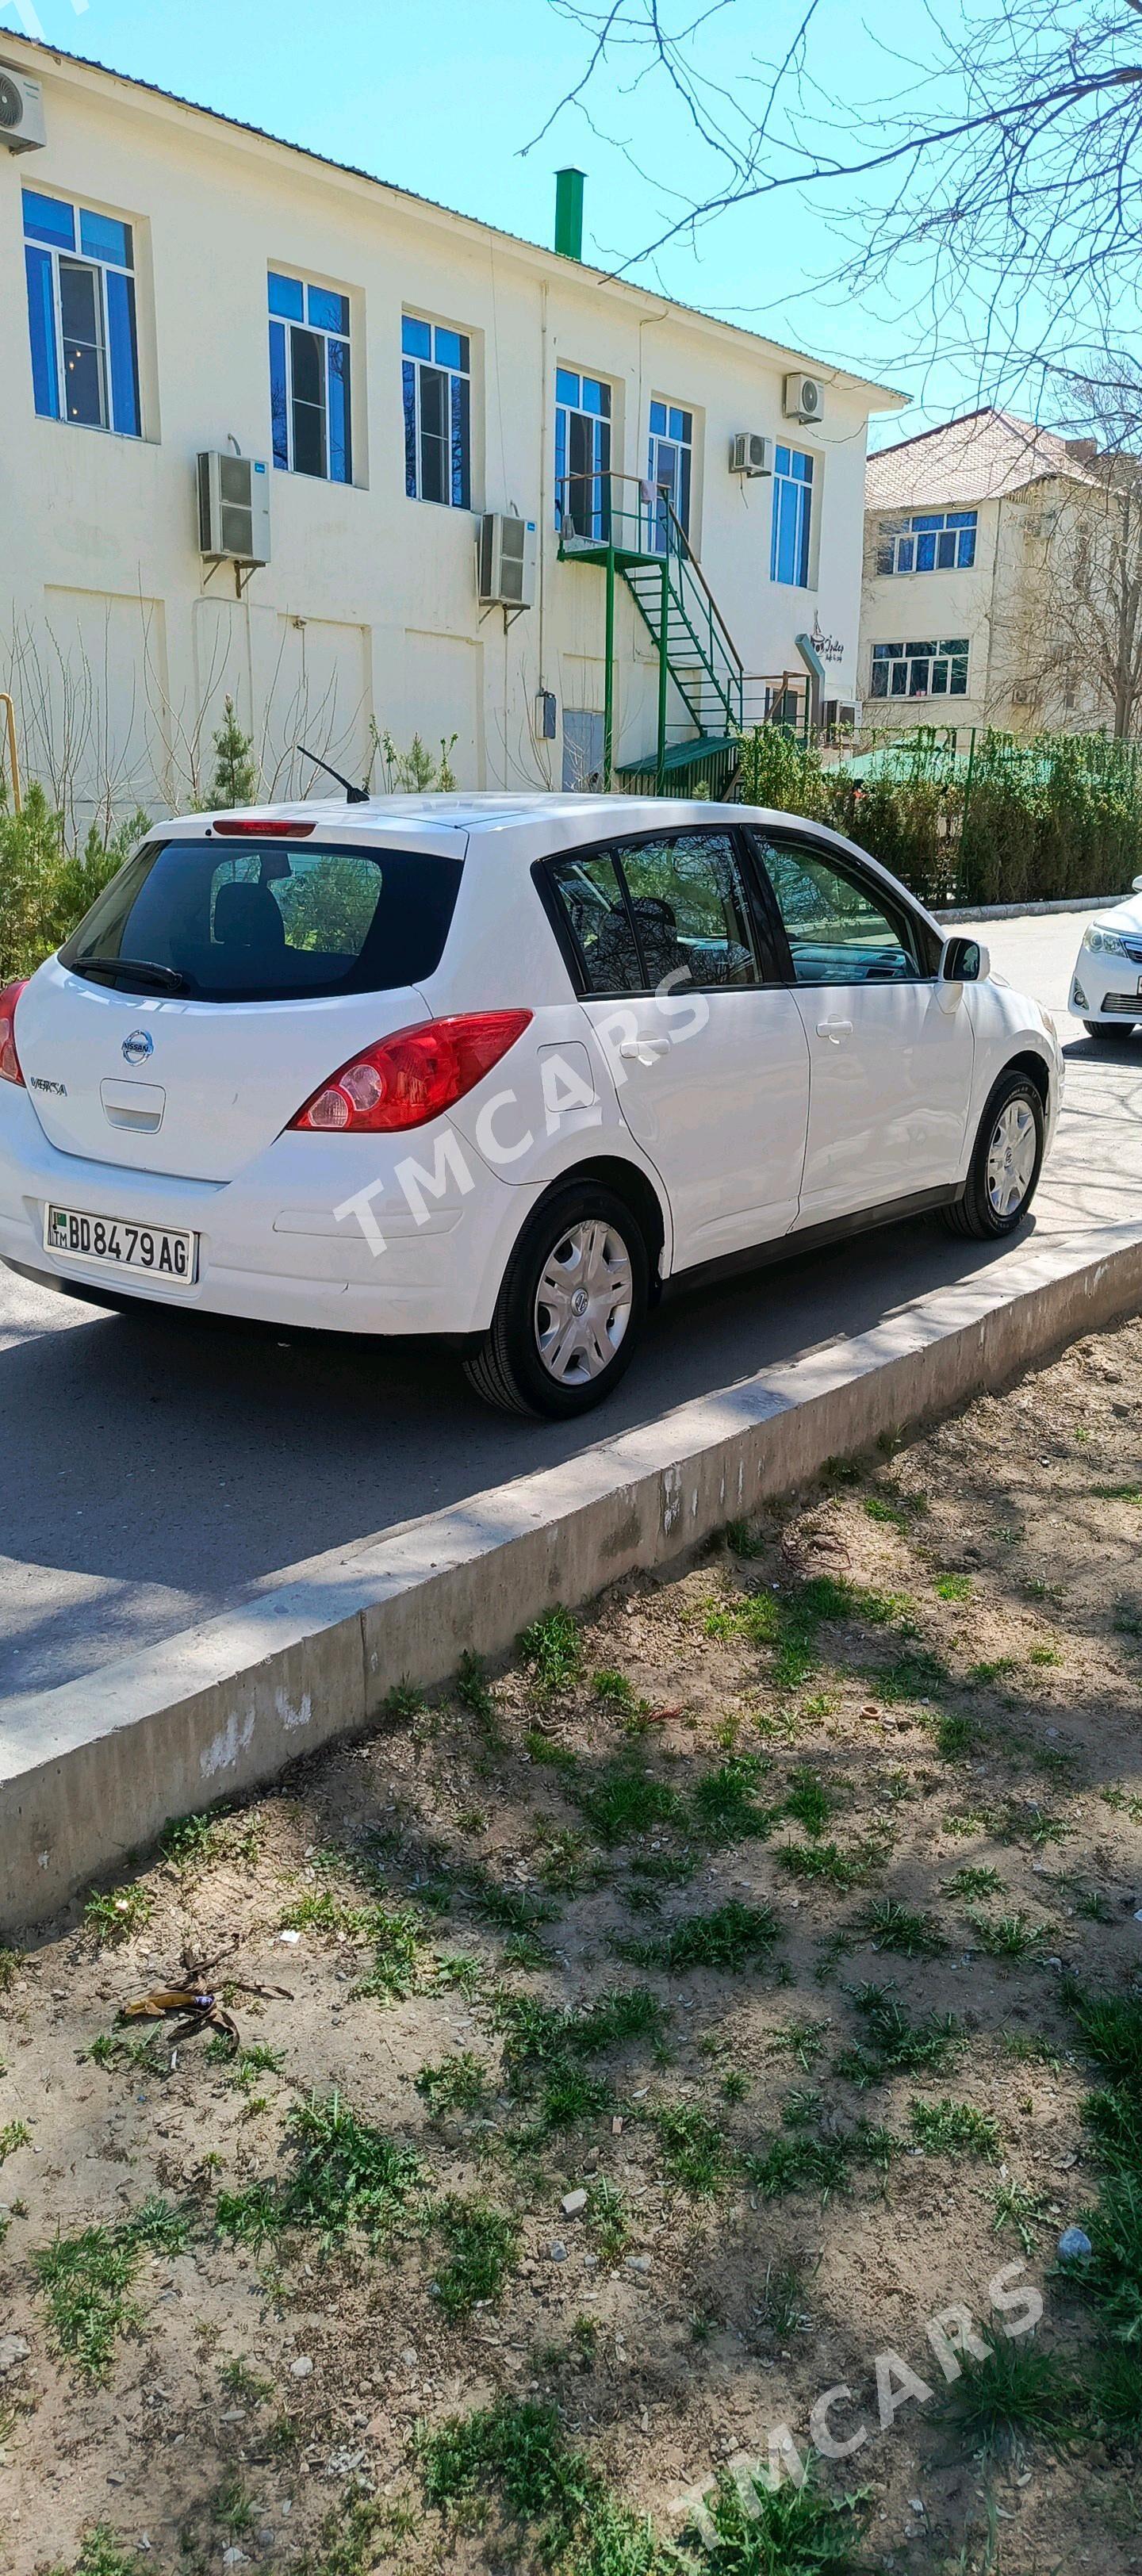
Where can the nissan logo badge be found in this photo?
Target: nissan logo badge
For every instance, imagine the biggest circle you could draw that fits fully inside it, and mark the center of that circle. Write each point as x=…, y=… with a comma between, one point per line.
x=138, y=1046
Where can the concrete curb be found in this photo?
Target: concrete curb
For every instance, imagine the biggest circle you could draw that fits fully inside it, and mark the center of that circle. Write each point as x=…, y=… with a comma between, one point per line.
x=90, y=1772
x=1030, y=911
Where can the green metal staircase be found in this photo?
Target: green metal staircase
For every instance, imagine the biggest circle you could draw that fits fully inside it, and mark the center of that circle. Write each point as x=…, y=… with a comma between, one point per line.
x=646, y=546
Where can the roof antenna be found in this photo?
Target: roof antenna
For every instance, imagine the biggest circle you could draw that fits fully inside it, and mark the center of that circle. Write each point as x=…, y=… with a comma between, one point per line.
x=353, y=795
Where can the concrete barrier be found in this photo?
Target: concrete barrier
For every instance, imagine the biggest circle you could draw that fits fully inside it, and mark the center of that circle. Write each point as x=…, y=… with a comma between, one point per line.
x=89, y=1773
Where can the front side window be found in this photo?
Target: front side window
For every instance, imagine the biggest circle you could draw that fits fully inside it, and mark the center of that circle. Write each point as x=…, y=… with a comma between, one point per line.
x=669, y=471
x=670, y=911
x=921, y=670
x=792, y=516
x=582, y=457
x=931, y=541
x=80, y=270
x=310, y=389
x=436, y=369
x=263, y=923
x=838, y=932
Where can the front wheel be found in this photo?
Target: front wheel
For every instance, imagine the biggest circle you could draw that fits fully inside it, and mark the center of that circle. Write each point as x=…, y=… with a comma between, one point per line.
x=571, y=1307
x=1006, y=1163
x=1108, y=1028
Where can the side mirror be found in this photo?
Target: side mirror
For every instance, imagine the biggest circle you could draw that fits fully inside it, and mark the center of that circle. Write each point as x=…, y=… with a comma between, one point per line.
x=965, y=961
x=1138, y=885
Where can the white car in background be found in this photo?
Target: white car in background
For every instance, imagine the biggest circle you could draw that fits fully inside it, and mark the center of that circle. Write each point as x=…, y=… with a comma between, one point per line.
x=500, y=1069
x=1106, y=987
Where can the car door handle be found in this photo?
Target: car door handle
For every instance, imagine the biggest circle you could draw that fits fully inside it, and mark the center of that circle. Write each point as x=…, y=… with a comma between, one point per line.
x=643, y=1050
x=834, y=1029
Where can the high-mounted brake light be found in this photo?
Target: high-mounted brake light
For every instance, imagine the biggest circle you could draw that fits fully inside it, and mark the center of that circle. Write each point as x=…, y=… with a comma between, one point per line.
x=411, y=1077
x=9, y=1060
x=270, y=828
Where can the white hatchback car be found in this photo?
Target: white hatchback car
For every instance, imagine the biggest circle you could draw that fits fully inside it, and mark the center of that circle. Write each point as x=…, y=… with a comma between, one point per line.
x=499, y=1068
x=1106, y=987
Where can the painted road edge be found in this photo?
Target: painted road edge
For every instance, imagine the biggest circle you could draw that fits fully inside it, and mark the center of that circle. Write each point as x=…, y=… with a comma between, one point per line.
x=91, y=1771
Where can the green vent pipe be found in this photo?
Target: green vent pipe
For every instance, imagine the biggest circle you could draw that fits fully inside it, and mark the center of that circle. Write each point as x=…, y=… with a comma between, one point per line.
x=569, y=213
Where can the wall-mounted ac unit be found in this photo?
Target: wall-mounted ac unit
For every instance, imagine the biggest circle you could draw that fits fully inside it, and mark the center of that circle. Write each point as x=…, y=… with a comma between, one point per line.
x=804, y=398
x=749, y=453
x=507, y=561
x=233, y=508
x=22, y=125
x=840, y=713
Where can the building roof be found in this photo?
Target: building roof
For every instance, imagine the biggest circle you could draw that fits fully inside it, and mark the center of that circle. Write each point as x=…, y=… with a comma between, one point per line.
x=982, y=456
x=892, y=399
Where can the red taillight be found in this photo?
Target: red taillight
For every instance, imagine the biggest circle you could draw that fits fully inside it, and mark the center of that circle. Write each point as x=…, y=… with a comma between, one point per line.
x=411, y=1077
x=270, y=828
x=9, y=1060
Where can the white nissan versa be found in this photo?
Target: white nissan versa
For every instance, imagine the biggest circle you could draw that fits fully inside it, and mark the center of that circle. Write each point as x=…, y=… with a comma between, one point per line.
x=499, y=1067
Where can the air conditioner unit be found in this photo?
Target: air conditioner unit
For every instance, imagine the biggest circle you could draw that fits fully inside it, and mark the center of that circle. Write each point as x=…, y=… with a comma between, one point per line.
x=804, y=398
x=233, y=509
x=749, y=453
x=22, y=125
x=507, y=561
x=840, y=714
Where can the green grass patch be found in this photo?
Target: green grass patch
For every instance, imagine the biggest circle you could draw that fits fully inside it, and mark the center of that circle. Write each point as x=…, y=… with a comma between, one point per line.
x=1117, y=1493
x=807, y=1801
x=482, y=2248
x=553, y=1647
x=626, y=1801
x=827, y=1864
x=14, y=2134
x=461, y=2083
x=695, y=2152
x=1017, y=2207
x=1019, y=2395
x=612, y=1689
x=117, y=1915
x=102, y=2553
x=473, y=1689
x=544, y=1749
x=87, y=2281
x=971, y=1881
x=892, y=2044
x=510, y=1909
x=725, y=1805
x=516, y=2455
x=953, y=1587
x=732, y=1937
x=890, y=1926
x=954, y=2129
x=1006, y=1936
x=346, y=2177
x=608, y=2221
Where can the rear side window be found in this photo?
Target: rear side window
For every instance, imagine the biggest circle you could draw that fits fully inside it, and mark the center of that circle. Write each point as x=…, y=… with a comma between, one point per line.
x=653, y=912
x=270, y=923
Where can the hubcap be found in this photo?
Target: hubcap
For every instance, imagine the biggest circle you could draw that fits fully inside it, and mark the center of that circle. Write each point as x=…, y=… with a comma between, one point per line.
x=583, y=1302
x=1011, y=1157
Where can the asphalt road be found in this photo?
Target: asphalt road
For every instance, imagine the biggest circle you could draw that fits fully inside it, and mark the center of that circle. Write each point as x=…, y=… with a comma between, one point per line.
x=158, y=1468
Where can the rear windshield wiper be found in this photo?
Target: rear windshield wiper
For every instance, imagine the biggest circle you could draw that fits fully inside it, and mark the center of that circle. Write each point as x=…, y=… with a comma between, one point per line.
x=167, y=977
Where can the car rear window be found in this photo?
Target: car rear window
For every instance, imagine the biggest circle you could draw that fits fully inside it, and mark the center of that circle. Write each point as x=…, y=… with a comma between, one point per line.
x=268, y=922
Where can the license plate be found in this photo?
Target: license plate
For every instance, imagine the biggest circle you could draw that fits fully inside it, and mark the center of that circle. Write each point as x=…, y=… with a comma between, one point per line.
x=110, y=1243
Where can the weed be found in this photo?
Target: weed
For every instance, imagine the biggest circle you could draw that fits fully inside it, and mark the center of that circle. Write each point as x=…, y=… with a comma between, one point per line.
x=726, y=1810
x=545, y=1750
x=553, y=1647
x=1010, y=1936
x=1116, y=2394
x=511, y=1909
x=523, y=1950
x=1128, y=1619
x=231, y=2509
x=954, y=2128
x=625, y=1802
x=954, y=1587
x=240, y=2381
x=346, y=2175
x=801, y=2040
x=826, y=1864
x=1117, y=1493
x=1113, y=2275
x=889, y=1514
x=1045, y=1655
x=664, y=1869
x=519, y=2452
x=482, y=2246
x=1029, y=2048
x=783, y=2531
x=695, y=2152
x=352, y=2532
x=1013, y=2205
x=189, y=1841
x=612, y=1689
x=973, y=1882
x=1092, y=1907
x=569, y=1864
x=404, y=1700
x=16, y=2134
x=459, y=2083
x=621, y=2014
x=1123, y=1804
x=956, y=1735
x=118, y=1915
x=781, y=2305
x=891, y=2042
x=744, y=1539
x=807, y=1800
x=10, y=1964
x=396, y=1937
x=1018, y=2394
x=102, y=2553
x=735, y=2085
x=87, y=2280
x=918, y=1675
x=799, y=2163
x=456, y=1972
x=890, y=1926
x=608, y=2219
x=733, y=1937
x=473, y=1690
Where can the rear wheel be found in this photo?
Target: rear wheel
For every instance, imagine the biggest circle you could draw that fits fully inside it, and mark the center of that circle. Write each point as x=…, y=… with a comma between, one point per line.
x=571, y=1306
x=1006, y=1163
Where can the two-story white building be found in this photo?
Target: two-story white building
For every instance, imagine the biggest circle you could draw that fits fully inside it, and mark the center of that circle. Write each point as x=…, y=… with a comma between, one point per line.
x=375, y=374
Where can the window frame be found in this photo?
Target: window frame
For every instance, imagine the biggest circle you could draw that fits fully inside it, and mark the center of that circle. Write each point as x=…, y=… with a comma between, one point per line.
x=925, y=942
x=684, y=446
x=602, y=423
x=803, y=487
x=961, y=525
x=770, y=957
x=102, y=268
x=893, y=656
x=329, y=338
x=459, y=380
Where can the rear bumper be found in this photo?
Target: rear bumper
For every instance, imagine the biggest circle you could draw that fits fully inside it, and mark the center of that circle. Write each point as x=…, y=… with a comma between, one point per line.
x=272, y=1246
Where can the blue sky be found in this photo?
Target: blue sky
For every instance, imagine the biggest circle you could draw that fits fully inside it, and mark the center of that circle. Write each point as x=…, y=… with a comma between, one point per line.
x=442, y=96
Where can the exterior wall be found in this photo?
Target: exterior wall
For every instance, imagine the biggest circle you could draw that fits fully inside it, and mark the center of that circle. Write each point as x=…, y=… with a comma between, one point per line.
x=123, y=648
x=905, y=607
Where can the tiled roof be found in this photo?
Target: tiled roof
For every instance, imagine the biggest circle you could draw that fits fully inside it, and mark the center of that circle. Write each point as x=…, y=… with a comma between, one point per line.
x=979, y=457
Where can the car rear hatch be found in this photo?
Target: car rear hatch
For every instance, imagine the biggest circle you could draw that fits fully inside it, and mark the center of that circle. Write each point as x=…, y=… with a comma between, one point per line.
x=216, y=984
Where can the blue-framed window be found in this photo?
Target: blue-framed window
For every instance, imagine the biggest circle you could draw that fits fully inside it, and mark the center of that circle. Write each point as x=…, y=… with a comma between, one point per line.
x=310, y=381
x=582, y=456
x=81, y=315
x=920, y=670
x=792, y=517
x=436, y=379
x=670, y=469
x=932, y=541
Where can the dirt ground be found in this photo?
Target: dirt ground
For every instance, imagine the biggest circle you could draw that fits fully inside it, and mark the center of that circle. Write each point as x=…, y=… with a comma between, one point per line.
x=728, y=1808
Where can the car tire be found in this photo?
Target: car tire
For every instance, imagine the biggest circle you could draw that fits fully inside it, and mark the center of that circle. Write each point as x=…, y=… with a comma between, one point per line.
x=1013, y=1129
x=543, y=1355
x=1105, y=1029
